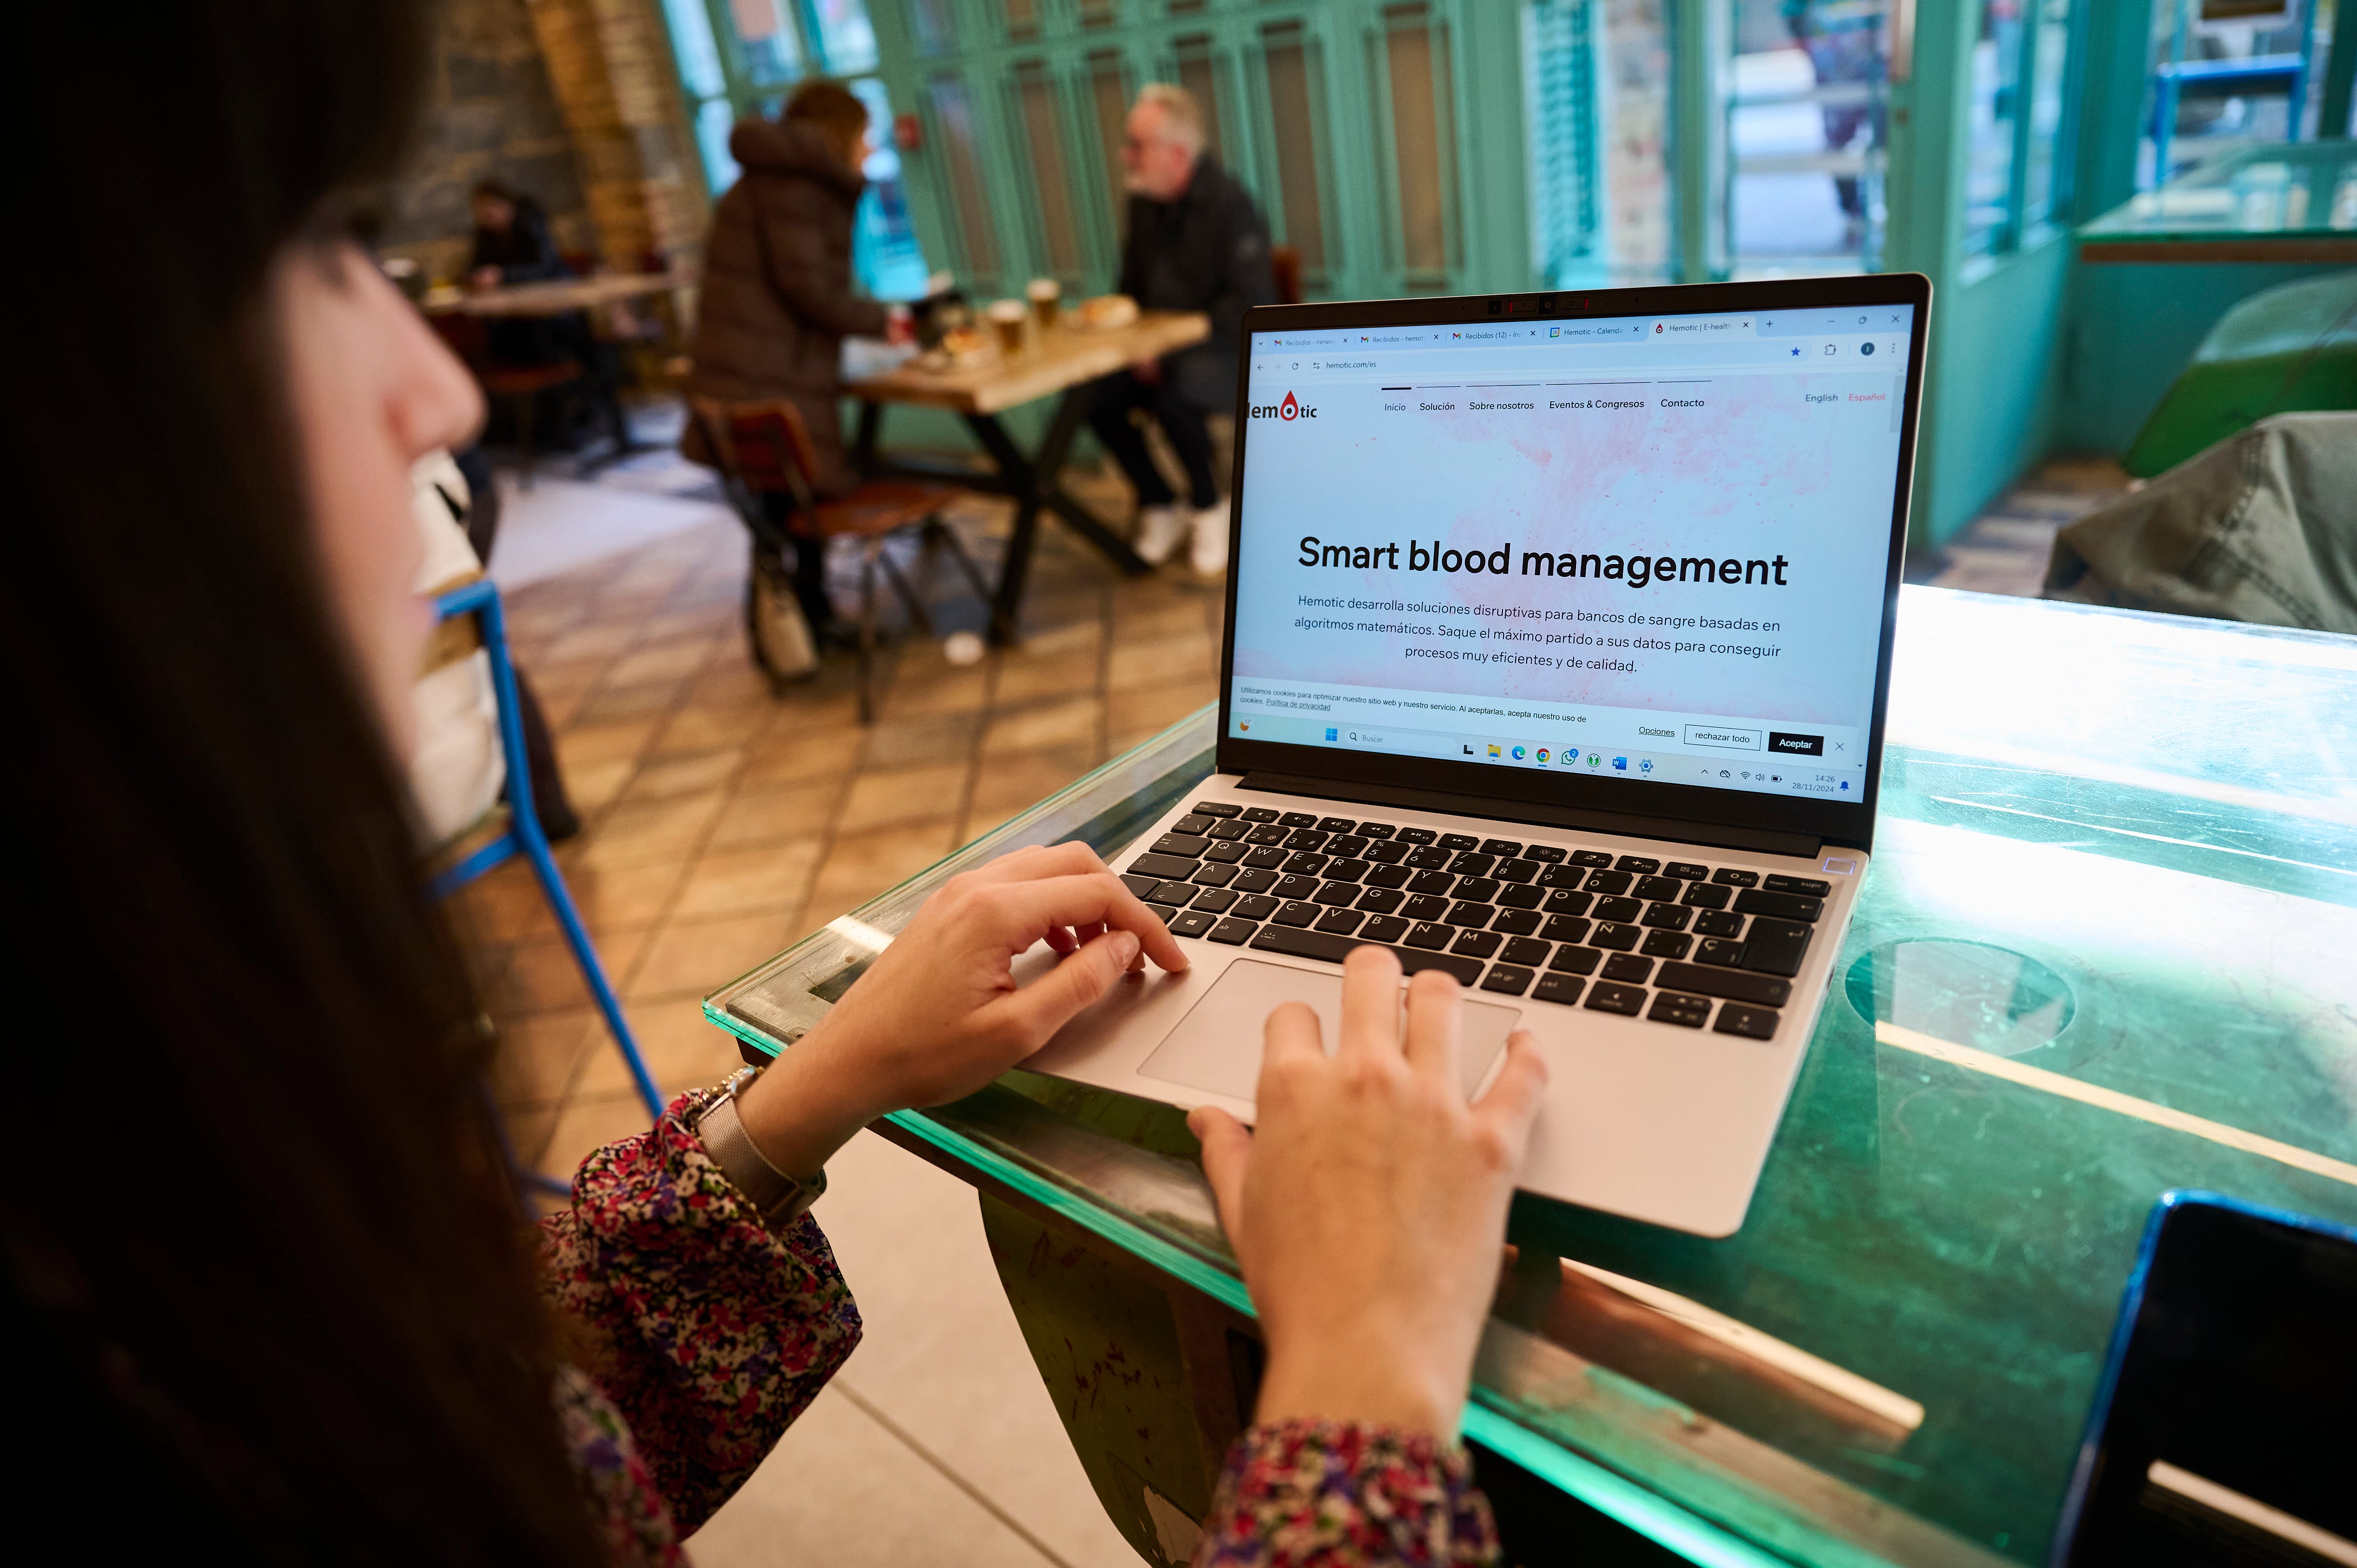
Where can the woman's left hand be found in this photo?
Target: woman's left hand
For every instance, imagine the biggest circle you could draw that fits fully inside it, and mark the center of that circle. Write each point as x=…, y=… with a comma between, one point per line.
x=937, y=1015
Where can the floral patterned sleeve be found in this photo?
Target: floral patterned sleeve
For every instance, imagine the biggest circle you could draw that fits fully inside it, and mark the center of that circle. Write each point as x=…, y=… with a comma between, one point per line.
x=708, y=1332
x=1301, y=1494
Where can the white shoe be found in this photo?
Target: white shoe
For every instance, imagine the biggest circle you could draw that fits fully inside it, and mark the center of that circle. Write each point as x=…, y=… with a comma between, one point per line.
x=1159, y=529
x=1209, y=556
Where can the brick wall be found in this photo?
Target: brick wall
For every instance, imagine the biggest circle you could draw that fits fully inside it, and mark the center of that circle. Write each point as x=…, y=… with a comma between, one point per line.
x=609, y=65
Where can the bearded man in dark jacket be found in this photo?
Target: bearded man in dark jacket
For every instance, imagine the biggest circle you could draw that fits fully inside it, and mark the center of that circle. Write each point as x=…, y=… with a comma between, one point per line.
x=778, y=299
x=1197, y=242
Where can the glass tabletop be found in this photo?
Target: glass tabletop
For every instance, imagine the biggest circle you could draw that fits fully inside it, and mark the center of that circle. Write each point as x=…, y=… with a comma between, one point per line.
x=2103, y=951
x=2261, y=193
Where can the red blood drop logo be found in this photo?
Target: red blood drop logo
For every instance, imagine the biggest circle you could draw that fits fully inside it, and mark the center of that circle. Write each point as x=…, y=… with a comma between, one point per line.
x=1288, y=409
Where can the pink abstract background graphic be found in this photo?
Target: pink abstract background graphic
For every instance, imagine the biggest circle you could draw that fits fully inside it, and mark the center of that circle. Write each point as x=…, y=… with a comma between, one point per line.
x=1758, y=471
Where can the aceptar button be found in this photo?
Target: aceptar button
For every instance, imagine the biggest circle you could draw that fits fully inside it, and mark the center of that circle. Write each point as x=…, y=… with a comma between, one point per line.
x=1796, y=744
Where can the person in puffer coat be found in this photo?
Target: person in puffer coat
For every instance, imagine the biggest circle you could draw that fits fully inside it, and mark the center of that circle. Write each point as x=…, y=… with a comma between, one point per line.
x=778, y=295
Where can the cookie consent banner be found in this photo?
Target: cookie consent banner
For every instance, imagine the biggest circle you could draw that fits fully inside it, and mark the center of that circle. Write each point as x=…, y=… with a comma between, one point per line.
x=1711, y=545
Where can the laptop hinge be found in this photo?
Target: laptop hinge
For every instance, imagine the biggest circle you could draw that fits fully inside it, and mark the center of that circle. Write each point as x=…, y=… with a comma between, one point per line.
x=1765, y=841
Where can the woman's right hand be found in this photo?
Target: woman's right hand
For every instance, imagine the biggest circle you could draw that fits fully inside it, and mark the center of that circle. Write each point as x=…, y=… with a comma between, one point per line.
x=1368, y=1206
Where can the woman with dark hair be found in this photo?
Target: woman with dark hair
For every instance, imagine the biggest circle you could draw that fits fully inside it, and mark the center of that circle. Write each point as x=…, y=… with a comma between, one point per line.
x=259, y=1265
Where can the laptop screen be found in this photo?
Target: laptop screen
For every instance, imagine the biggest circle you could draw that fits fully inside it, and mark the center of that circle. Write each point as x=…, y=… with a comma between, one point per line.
x=1650, y=549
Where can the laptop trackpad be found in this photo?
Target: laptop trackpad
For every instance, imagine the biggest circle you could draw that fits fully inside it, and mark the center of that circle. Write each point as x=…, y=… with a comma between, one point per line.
x=1217, y=1045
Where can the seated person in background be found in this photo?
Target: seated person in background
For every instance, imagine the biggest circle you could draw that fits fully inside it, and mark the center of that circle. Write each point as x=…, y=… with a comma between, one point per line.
x=1196, y=241
x=513, y=245
x=777, y=298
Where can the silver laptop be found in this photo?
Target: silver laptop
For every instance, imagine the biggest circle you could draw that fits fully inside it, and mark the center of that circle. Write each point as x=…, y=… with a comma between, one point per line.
x=1558, y=641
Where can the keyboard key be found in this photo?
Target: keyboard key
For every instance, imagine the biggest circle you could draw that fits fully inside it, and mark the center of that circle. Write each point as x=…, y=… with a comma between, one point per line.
x=1341, y=922
x=1296, y=913
x=1431, y=882
x=1348, y=845
x=1529, y=951
x=1305, y=863
x=1516, y=922
x=1193, y=824
x=1751, y=1022
x=1643, y=865
x=1481, y=890
x=1736, y=986
x=1233, y=931
x=1608, y=881
x=1163, y=912
x=1187, y=846
x=1227, y=832
x=1507, y=847
x=1727, y=876
x=1224, y=854
x=1459, y=842
x=1595, y=859
x=1416, y=835
x=1218, y=900
x=1429, y=934
x=1657, y=944
x=1544, y=853
x=1606, y=997
x=1297, y=819
x=1619, y=938
x=1723, y=954
x=1162, y=868
x=1808, y=886
x=1268, y=835
x=1520, y=897
x=1141, y=886
x=1657, y=889
x=1216, y=808
x=1565, y=928
x=1304, y=839
x=1476, y=944
x=1666, y=916
x=1783, y=906
x=1211, y=875
x=1617, y=910
x=1575, y=960
x=1555, y=987
x=1253, y=881
x=1425, y=907
x=1268, y=857
x=1259, y=814
x=1193, y=923
x=1568, y=901
x=1686, y=871
x=1629, y=968
x=1385, y=851
x=1383, y=929
x=1686, y=1012
x=1429, y=857
x=1775, y=947
x=1336, y=824
x=1467, y=913
x=1473, y=864
x=1562, y=876
x=1517, y=870
x=1507, y=980
x=1388, y=877
x=1706, y=896
x=1376, y=830
x=1337, y=895
x=1380, y=900
x=1710, y=923
x=1296, y=887
x=1466, y=969
x=1256, y=907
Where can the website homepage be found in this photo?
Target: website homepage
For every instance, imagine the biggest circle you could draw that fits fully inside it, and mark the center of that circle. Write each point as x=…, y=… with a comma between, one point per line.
x=1651, y=550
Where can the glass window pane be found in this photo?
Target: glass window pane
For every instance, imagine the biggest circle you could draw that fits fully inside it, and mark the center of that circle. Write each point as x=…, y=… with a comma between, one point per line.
x=1109, y=101
x=953, y=113
x=2040, y=194
x=1043, y=138
x=1423, y=137
x=2218, y=113
x=773, y=55
x=885, y=250
x=714, y=120
x=1198, y=75
x=693, y=46
x=1097, y=13
x=1806, y=125
x=928, y=24
x=1996, y=83
x=846, y=42
x=1634, y=98
x=1022, y=16
x=1297, y=127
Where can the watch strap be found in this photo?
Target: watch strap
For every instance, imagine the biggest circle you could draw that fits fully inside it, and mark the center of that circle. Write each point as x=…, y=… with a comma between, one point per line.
x=780, y=1198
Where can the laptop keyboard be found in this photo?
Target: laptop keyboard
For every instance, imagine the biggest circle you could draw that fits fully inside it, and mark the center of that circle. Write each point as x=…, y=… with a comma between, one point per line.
x=1676, y=943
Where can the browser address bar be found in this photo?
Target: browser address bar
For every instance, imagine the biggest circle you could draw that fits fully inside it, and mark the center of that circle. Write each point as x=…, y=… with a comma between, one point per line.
x=1542, y=363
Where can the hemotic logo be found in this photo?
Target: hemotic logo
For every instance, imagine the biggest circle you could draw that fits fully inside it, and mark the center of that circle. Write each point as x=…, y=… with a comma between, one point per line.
x=1291, y=408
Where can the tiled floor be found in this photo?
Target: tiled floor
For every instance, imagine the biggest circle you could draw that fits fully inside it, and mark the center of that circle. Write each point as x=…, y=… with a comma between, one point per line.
x=2003, y=550
x=722, y=824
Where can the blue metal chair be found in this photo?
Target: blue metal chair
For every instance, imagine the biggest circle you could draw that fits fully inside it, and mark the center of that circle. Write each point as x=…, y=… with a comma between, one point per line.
x=523, y=837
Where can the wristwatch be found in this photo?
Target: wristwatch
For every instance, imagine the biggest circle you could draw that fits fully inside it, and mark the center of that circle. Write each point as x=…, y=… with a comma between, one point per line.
x=780, y=1198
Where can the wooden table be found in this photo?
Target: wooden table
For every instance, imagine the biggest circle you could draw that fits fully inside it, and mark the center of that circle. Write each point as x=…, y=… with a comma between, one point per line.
x=557, y=297
x=1064, y=361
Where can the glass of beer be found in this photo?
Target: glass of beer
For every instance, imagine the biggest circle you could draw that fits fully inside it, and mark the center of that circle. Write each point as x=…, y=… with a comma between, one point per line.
x=1006, y=318
x=1046, y=295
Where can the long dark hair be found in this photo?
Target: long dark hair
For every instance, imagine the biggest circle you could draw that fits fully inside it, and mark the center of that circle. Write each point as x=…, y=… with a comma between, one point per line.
x=259, y=1273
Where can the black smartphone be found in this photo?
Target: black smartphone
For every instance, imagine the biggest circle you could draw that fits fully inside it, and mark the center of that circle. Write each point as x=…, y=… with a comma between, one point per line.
x=2224, y=1429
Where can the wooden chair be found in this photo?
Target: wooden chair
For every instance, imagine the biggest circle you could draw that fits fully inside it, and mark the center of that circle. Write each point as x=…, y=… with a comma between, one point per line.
x=519, y=385
x=764, y=449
